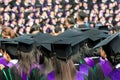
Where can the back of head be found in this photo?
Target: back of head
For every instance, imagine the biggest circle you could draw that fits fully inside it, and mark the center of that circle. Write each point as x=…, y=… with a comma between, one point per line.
x=26, y=59
x=26, y=53
x=70, y=20
x=7, y=32
x=82, y=15
x=64, y=70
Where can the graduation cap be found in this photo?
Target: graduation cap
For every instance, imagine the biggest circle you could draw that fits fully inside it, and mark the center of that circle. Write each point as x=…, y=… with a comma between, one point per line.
x=111, y=41
x=3, y=40
x=11, y=48
x=66, y=47
x=24, y=39
x=83, y=28
x=44, y=48
x=40, y=37
x=25, y=43
x=94, y=34
x=72, y=37
x=69, y=33
x=62, y=51
x=64, y=35
x=103, y=28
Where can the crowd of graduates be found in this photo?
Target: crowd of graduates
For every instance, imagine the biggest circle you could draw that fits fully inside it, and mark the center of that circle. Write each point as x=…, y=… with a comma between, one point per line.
x=78, y=53
x=59, y=40
x=24, y=16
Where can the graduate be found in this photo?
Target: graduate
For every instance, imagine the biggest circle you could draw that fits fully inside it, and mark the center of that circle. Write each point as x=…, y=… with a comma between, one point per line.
x=3, y=58
x=108, y=67
x=65, y=46
x=91, y=56
x=80, y=20
x=11, y=53
x=27, y=67
x=11, y=57
x=63, y=65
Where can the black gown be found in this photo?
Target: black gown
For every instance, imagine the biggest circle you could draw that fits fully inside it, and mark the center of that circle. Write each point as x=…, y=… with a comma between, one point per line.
x=7, y=74
x=35, y=74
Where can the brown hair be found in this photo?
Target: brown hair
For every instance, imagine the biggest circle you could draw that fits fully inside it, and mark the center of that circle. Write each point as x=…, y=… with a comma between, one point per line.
x=64, y=70
x=26, y=60
x=7, y=32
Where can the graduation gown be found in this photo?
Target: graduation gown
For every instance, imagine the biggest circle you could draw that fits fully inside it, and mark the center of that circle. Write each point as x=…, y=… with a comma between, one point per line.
x=92, y=61
x=88, y=71
x=3, y=61
x=7, y=74
x=35, y=73
x=79, y=76
x=114, y=75
x=12, y=63
x=102, y=69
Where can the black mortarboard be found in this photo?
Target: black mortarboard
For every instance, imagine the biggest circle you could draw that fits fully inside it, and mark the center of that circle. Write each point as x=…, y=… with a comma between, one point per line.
x=103, y=28
x=11, y=48
x=69, y=33
x=111, y=41
x=70, y=36
x=64, y=35
x=62, y=51
x=3, y=40
x=83, y=28
x=94, y=34
x=66, y=47
x=40, y=37
x=44, y=48
x=24, y=39
x=25, y=47
x=25, y=43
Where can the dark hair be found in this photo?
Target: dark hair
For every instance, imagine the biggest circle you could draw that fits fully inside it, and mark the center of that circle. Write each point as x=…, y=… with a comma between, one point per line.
x=57, y=29
x=71, y=20
x=81, y=17
x=35, y=28
x=109, y=54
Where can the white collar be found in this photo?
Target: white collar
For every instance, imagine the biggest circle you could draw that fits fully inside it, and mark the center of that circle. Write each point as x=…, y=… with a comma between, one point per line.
x=76, y=64
x=117, y=66
x=0, y=54
x=14, y=61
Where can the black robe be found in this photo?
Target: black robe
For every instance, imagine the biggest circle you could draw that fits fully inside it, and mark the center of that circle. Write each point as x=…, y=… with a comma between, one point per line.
x=7, y=74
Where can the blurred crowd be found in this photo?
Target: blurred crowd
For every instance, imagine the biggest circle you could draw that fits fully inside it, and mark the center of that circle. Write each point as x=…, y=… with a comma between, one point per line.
x=26, y=16
x=59, y=39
